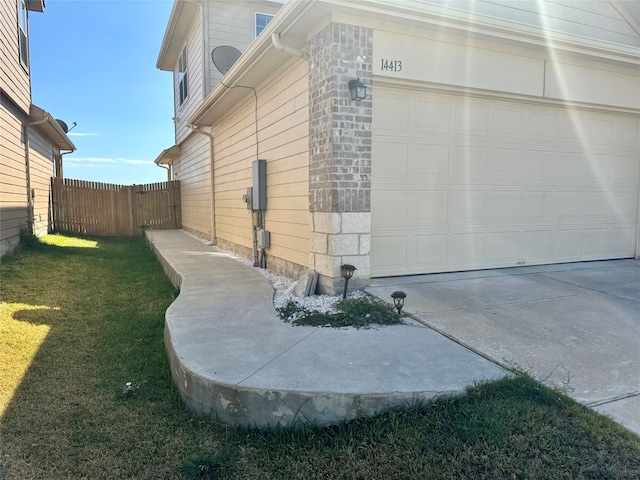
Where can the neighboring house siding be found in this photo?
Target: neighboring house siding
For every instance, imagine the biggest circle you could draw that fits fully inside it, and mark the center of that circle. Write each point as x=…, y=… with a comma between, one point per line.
x=283, y=123
x=13, y=183
x=194, y=172
x=41, y=168
x=230, y=23
x=194, y=77
x=14, y=80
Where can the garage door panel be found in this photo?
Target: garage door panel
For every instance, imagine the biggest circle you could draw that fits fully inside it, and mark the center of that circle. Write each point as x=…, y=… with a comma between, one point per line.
x=389, y=254
x=467, y=250
x=627, y=134
x=467, y=207
x=509, y=122
x=602, y=131
x=503, y=207
x=567, y=245
x=495, y=183
x=570, y=206
x=540, y=166
x=470, y=164
x=611, y=206
x=537, y=246
x=428, y=162
x=429, y=207
x=571, y=168
x=622, y=242
x=471, y=118
x=391, y=209
x=396, y=108
x=393, y=160
x=503, y=247
x=505, y=165
x=620, y=169
x=427, y=252
x=595, y=242
x=432, y=115
x=541, y=125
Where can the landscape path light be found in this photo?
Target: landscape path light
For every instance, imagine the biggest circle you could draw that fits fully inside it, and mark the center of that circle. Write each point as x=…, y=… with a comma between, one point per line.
x=347, y=272
x=398, y=300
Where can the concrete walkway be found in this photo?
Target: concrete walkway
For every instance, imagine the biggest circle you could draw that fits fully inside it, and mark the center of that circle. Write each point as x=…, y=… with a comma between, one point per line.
x=233, y=359
x=574, y=325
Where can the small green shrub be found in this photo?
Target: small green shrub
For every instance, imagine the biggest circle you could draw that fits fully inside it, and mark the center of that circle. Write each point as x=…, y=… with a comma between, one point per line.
x=28, y=241
x=351, y=312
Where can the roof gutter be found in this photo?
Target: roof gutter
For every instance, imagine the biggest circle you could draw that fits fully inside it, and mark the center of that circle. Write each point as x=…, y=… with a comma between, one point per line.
x=279, y=25
x=275, y=40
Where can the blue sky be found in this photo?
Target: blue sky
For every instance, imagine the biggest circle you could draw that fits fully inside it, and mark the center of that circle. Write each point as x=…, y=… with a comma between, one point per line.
x=93, y=62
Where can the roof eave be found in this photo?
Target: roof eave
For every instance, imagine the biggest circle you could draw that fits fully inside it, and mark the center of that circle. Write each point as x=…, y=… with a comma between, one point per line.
x=168, y=155
x=51, y=128
x=35, y=5
x=180, y=20
x=245, y=72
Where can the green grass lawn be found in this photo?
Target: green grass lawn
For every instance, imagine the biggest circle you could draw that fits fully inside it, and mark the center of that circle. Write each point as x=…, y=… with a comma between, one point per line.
x=80, y=318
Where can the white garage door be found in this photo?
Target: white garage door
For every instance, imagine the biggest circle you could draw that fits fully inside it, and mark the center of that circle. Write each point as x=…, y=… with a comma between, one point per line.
x=463, y=183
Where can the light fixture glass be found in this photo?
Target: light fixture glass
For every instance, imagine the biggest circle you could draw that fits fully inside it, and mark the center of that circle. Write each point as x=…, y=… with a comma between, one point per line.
x=398, y=300
x=358, y=90
x=346, y=271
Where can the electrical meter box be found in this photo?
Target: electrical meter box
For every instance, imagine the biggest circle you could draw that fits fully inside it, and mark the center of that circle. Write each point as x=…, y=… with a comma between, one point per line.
x=248, y=198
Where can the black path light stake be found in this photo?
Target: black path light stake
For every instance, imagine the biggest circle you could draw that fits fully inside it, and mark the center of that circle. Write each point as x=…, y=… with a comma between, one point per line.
x=347, y=272
x=398, y=300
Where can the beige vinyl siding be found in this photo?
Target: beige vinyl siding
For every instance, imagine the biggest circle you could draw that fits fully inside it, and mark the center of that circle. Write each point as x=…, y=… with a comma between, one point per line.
x=13, y=184
x=41, y=169
x=231, y=23
x=195, y=92
x=283, y=123
x=14, y=80
x=193, y=169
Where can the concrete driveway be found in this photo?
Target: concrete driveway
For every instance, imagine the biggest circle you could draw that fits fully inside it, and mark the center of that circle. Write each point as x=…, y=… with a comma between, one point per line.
x=575, y=325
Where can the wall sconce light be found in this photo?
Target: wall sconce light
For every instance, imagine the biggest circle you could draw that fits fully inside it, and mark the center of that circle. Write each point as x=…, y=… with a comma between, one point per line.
x=347, y=272
x=398, y=300
x=358, y=90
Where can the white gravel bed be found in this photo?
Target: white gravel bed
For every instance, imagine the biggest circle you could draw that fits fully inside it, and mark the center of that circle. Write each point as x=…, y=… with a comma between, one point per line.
x=285, y=287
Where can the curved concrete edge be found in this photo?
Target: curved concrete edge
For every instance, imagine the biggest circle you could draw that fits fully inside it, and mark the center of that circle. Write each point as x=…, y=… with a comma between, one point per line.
x=233, y=400
x=248, y=407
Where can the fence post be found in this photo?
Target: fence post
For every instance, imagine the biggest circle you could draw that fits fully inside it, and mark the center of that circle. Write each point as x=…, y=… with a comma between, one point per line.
x=130, y=212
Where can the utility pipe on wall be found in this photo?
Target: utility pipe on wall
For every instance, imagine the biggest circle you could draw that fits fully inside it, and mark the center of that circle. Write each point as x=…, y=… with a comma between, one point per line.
x=213, y=193
x=27, y=166
x=275, y=40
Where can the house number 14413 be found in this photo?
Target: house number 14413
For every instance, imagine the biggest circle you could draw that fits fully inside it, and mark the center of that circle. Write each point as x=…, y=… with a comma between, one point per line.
x=387, y=65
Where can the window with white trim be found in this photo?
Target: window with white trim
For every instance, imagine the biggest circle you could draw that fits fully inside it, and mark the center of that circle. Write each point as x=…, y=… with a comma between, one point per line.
x=262, y=20
x=23, y=33
x=183, y=81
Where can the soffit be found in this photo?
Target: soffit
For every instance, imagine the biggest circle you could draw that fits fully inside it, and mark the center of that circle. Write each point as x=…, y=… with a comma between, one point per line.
x=180, y=20
x=168, y=155
x=50, y=128
x=35, y=5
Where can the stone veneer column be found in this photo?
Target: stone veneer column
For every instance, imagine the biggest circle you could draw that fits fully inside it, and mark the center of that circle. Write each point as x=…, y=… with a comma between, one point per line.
x=340, y=155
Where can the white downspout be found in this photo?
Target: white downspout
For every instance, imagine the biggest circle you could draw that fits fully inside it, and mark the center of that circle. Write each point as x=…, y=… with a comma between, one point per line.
x=27, y=166
x=275, y=40
x=213, y=193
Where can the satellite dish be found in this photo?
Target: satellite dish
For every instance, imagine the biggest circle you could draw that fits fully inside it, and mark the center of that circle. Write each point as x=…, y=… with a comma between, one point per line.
x=224, y=57
x=63, y=125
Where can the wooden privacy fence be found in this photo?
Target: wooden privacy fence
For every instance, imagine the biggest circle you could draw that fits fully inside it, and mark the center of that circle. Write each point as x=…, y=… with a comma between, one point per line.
x=104, y=209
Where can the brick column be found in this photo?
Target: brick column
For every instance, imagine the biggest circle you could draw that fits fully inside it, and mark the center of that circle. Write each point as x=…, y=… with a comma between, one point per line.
x=340, y=154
